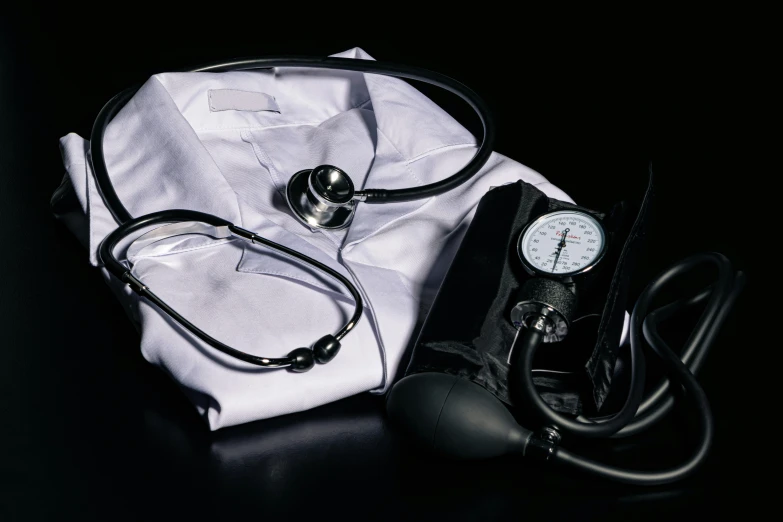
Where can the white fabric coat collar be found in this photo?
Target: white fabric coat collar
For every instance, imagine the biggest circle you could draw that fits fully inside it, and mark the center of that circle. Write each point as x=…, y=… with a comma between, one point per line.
x=162, y=121
x=165, y=149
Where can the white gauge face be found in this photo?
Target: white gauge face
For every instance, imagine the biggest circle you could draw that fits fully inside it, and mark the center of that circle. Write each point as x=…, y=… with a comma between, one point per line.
x=562, y=243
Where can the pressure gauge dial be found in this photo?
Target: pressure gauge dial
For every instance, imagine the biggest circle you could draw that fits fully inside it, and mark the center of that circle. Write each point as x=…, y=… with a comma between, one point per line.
x=562, y=244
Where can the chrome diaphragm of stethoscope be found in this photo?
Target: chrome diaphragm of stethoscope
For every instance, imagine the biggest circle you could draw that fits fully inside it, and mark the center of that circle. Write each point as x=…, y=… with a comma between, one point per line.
x=323, y=197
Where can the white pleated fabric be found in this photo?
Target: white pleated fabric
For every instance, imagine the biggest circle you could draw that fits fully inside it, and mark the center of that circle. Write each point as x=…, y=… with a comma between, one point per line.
x=169, y=149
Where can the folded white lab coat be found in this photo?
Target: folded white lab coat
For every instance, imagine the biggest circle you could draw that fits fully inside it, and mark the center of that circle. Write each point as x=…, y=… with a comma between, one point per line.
x=170, y=148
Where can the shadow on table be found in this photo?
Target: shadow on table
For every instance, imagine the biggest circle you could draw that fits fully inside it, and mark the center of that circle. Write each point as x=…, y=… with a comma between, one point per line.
x=344, y=459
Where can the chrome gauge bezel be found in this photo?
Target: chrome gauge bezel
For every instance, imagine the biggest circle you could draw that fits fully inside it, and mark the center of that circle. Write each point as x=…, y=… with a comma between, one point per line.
x=535, y=271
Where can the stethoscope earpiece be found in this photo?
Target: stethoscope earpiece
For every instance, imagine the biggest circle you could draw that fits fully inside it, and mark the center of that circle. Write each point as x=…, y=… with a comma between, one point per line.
x=323, y=351
x=301, y=360
x=298, y=360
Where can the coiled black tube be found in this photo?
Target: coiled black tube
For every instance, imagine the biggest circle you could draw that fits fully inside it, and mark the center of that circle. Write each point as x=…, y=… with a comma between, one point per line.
x=639, y=413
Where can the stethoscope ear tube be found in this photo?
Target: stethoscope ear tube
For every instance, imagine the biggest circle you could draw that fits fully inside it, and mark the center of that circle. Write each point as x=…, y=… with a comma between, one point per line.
x=298, y=360
x=98, y=161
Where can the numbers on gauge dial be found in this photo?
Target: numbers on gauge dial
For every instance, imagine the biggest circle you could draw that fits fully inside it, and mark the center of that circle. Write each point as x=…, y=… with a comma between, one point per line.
x=562, y=243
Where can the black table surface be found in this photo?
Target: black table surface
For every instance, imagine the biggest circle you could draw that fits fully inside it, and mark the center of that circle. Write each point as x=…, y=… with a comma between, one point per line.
x=91, y=431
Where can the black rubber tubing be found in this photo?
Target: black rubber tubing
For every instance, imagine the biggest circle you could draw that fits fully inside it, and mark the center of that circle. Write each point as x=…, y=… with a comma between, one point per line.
x=722, y=296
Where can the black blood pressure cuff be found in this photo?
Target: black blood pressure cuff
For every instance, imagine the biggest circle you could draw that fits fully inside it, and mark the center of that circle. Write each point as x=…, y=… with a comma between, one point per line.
x=468, y=331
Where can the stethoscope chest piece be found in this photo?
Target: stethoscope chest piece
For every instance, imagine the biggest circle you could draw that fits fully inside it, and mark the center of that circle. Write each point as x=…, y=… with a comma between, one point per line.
x=323, y=197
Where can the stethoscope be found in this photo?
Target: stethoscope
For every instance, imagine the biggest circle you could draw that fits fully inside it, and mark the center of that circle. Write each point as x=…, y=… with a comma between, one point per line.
x=452, y=415
x=322, y=197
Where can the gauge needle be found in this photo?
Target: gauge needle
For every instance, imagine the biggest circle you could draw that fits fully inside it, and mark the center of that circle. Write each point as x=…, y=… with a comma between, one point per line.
x=560, y=247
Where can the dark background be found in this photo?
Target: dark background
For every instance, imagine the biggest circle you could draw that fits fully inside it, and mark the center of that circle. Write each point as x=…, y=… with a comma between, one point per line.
x=89, y=429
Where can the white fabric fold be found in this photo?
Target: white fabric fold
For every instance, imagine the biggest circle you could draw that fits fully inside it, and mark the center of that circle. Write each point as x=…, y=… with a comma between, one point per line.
x=167, y=149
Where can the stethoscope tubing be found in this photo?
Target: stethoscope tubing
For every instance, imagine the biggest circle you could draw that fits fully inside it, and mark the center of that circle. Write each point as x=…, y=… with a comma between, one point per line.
x=128, y=224
x=121, y=214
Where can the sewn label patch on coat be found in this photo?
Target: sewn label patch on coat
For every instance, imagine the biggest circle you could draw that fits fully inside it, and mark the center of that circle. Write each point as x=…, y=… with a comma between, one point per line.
x=234, y=100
